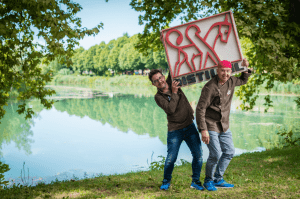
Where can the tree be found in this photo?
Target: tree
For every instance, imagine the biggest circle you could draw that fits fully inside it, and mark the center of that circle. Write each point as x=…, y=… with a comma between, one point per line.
x=148, y=60
x=77, y=59
x=123, y=56
x=96, y=58
x=57, y=64
x=103, y=60
x=89, y=58
x=112, y=61
x=272, y=26
x=129, y=58
x=21, y=24
x=160, y=59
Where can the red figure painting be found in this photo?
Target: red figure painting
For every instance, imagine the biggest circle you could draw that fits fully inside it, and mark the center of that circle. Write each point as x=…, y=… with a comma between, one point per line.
x=187, y=48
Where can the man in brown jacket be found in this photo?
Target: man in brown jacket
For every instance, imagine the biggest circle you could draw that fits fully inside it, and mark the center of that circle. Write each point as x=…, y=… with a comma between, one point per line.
x=212, y=116
x=181, y=127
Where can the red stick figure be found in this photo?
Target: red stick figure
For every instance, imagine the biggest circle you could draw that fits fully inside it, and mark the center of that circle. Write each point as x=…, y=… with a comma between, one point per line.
x=198, y=52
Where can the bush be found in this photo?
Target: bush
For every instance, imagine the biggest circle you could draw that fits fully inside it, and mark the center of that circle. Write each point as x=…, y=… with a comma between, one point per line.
x=289, y=138
x=64, y=71
x=296, y=81
x=3, y=168
x=76, y=73
x=107, y=73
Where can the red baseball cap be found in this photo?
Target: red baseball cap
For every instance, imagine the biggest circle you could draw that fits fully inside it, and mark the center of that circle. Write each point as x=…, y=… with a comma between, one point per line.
x=224, y=64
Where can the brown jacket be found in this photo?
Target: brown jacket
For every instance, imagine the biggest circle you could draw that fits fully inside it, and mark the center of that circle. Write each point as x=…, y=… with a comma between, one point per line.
x=177, y=107
x=213, y=109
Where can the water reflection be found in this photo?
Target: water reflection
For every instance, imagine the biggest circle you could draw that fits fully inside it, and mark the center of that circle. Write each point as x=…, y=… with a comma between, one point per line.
x=15, y=129
x=138, y=114
x=141, y=115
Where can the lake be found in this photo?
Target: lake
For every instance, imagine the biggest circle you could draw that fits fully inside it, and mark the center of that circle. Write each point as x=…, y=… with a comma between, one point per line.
x=101, y=131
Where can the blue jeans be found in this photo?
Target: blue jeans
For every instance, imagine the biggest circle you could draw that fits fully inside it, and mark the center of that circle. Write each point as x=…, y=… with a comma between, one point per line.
x=219, y=143
x=191, y=136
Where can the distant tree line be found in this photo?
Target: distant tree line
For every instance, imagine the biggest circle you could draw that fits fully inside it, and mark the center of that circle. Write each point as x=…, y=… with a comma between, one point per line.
x=118, y=55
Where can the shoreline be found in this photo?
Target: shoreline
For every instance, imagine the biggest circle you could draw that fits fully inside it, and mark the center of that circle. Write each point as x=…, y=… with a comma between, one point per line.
x=93, y=88
x=34, y=181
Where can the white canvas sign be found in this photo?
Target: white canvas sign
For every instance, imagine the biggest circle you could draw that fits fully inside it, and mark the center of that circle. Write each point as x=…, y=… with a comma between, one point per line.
x=194, y=49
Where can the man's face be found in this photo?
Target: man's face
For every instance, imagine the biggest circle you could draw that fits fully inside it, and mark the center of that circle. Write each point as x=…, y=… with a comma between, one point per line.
x=224, y=74
x=159, y=81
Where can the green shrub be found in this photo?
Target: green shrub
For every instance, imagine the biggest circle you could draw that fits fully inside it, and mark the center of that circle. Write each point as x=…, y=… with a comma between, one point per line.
x=290, y=132
x=158, y=165
x=64, y=71
x=76, y=73
x=296, y=81
x=3, y=168
x=107, y=73
x=289, y=138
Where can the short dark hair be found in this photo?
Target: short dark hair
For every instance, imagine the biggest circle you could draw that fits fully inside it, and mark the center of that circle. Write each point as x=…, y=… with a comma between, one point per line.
x=153, y=72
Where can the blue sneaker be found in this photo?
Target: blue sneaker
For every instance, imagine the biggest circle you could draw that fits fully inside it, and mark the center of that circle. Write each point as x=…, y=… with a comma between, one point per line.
x=223, y=184
x=197, y=185
x=210, y=186
x=165, y=185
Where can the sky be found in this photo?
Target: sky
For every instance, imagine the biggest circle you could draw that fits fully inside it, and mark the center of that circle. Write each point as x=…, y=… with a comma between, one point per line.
x=117, y=15
x=118, y=18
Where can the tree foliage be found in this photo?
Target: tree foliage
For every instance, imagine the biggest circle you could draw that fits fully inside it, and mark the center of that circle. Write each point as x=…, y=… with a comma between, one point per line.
x=272, y=26
x=89, y=58
x=31, y=31
x=129, y=57
x=118, y=55
x=77, y=59
x=3, y=168
x=103, y=62
x=113, y=57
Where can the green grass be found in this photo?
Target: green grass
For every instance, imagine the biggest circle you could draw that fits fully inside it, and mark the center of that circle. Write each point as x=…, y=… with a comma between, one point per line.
x=270, y=174
x=137, y=80
x=123, y=80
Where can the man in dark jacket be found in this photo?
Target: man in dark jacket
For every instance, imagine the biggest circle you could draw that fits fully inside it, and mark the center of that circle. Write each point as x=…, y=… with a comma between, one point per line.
x=212, y=116
x=181, y=127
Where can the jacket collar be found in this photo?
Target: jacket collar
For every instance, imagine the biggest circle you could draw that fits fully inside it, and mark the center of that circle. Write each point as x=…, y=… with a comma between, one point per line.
x=217, y=79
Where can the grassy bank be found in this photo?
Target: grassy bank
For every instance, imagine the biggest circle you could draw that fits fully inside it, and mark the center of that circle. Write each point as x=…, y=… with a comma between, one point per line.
x=142, y=81
x=123, y=80
x=270, y=174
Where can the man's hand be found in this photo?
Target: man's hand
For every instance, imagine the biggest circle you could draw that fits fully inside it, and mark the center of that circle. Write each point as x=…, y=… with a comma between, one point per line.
x=245, y=63
x=175, y=86
x=205, y=136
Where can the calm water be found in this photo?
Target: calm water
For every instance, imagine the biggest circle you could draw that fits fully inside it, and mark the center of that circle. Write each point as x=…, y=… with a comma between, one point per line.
x=89, y=132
